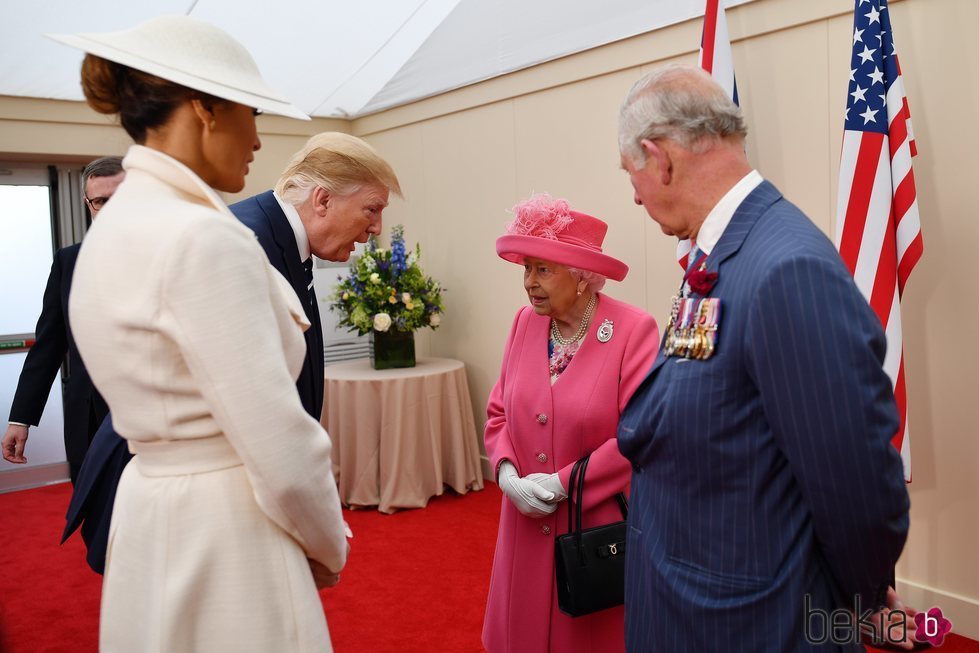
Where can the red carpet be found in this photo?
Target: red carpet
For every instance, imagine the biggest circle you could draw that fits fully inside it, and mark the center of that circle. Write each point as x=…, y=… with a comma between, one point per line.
x=416, y=581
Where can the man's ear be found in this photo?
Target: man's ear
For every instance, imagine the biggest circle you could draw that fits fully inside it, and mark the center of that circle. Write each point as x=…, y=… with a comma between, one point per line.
x=658, y=156
x=320, y=200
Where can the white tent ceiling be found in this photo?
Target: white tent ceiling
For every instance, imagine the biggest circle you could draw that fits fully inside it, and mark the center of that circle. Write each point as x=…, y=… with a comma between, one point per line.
x=334, y=58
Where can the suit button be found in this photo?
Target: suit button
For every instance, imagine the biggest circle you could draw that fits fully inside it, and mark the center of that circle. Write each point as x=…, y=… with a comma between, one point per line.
x=542, y=418
x=542, y=458
x=545, y=529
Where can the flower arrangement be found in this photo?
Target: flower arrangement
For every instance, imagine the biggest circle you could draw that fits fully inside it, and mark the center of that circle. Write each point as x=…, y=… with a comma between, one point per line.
x=387, y=290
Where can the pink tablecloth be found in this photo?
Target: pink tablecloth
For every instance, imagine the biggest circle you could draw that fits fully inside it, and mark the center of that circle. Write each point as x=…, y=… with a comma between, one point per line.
x=400, y=436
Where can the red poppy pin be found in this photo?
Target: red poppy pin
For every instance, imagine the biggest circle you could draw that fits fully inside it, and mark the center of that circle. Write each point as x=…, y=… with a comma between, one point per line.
x=701, y=281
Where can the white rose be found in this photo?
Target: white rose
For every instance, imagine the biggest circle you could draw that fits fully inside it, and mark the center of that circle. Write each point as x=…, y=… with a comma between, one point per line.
x=435, y=320
x=382, y=322
x=375, y=278
x=406, y=297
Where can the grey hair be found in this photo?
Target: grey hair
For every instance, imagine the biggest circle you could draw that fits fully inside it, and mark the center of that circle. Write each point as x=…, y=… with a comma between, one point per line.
x=593, y=280
x=107, y=166
x=681, y=103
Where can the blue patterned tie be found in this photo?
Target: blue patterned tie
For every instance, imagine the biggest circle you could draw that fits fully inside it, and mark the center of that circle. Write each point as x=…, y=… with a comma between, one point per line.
x=691, y=266
x=692, y=259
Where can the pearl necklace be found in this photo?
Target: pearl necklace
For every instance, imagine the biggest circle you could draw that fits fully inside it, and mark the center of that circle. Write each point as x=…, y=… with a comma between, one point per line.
x=582, y=328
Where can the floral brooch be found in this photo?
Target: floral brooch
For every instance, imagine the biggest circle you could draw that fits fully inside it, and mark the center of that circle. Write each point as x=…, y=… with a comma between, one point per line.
x=701, y=281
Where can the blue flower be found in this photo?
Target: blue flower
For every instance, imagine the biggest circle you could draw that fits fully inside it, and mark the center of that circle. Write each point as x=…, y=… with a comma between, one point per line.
x=399, y=289
x=399, y=262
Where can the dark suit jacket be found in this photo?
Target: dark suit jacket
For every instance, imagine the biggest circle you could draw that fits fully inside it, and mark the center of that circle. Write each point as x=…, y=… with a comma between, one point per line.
x=95, y=492
x=91, y=504
x=764, y=474
x=263, y=215
x=84, y=408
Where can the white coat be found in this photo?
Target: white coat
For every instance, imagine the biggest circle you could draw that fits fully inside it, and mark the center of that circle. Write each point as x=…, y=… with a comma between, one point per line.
x=196, y=341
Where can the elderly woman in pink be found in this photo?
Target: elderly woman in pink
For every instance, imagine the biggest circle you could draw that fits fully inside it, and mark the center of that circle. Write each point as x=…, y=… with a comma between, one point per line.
x=573, y=358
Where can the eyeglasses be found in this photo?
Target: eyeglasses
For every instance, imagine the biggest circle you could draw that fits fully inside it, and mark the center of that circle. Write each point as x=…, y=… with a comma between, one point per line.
x=96, y=202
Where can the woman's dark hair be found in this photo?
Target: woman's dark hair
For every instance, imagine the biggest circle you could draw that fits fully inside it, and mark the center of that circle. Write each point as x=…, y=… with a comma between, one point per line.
x=143, y=101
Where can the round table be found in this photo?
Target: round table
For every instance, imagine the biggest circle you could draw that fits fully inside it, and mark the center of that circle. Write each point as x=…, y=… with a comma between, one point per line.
x=401, y=435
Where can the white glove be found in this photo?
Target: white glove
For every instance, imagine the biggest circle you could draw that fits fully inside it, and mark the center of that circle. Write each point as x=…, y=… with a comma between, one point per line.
x=551, y=483
x=528, y=497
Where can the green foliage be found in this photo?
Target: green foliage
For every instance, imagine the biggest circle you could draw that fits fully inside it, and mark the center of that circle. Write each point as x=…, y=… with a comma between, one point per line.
x=387, y=290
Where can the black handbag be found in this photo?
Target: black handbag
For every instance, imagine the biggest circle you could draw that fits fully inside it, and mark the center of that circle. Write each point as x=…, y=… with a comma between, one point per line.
x=590, y=562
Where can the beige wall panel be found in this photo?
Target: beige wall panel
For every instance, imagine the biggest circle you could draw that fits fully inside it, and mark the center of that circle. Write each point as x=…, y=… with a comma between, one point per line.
x=663, y=273
x=788, y=130
x=469, y=183
x=839, y=41
x=402, y=148
x=566, y=145
x=269, y=163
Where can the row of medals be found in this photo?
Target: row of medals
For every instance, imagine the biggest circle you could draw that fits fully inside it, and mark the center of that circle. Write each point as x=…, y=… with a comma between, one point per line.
x=692, y=330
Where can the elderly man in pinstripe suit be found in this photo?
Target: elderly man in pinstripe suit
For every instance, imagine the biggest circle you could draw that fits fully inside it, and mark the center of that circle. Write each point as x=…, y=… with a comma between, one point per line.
x=767, y=502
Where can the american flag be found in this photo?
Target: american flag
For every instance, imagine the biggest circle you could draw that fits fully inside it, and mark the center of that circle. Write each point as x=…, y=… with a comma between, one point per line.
x=878, y=231
x=715, y=58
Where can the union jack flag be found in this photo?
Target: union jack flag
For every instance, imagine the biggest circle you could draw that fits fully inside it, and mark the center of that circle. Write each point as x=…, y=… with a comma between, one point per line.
x=878, y=230
x=716, y=59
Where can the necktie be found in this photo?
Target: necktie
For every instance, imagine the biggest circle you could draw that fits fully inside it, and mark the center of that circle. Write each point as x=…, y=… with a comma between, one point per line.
x=308, y=268
x=692, y=259
x=693, y=262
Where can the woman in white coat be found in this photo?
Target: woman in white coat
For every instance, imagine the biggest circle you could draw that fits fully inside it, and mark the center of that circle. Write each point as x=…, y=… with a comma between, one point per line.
x=228, y=519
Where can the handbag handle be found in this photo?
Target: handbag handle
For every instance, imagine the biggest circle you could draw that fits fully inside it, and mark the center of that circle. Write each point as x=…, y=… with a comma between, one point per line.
x=576, y=495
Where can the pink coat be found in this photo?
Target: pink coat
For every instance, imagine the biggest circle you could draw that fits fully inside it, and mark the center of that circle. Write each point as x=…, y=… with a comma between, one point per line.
x=582, y=412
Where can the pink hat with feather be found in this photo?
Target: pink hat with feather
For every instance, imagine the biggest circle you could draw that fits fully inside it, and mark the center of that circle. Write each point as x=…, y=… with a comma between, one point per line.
x=548, y=229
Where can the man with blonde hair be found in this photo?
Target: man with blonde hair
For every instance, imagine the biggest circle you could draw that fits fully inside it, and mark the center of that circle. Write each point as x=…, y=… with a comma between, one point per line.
x=330, y=196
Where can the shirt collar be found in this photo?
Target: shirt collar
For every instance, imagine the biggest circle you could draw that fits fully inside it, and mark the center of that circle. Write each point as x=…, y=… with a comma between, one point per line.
x=719, y=217
x=292, y=215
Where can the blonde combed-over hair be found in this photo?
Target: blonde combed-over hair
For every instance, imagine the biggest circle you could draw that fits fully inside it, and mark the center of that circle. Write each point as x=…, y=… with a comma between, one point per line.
x=340, y=163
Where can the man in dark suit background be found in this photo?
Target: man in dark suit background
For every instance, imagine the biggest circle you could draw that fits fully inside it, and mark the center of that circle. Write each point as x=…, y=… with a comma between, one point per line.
x=765, y=493
x=331, y=195
x=84, y=408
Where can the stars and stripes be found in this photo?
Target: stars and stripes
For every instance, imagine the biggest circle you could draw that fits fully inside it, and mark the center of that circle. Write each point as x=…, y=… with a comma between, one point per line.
x=878, y=231
x=716, y=59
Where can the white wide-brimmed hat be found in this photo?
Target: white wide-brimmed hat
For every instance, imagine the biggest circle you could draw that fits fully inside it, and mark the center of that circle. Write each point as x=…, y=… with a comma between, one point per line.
x=191, y=53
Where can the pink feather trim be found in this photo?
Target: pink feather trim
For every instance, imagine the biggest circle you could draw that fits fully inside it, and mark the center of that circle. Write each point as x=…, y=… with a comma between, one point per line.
x=541, y=216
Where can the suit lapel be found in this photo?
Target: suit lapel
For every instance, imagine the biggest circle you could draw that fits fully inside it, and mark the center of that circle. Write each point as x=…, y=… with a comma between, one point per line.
x=741, y=223
x=730, y=242
x=285, y=240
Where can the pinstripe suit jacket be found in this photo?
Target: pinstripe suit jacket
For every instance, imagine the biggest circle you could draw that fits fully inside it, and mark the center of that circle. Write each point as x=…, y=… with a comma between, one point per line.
x=765, y=473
